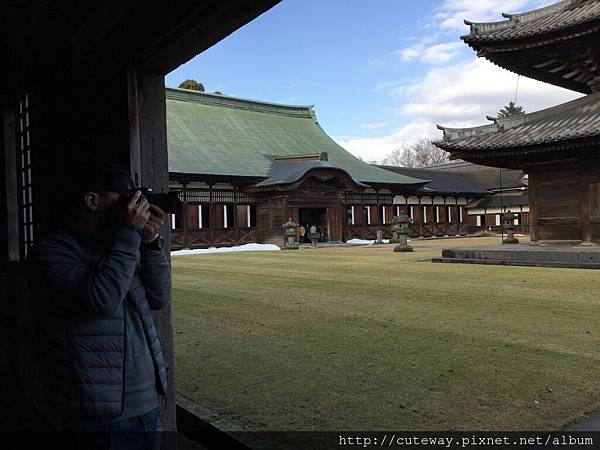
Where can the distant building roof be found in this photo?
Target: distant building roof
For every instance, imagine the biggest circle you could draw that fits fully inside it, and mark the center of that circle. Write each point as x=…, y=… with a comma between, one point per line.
x=569, y=125
x=555, y=44
x=506, y=199
x=443, y=182
x=558, y=16
x=217, y=135
x=488, y=178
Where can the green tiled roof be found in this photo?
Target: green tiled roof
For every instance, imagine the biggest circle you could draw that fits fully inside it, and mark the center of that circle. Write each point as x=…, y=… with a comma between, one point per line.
x=212, y=134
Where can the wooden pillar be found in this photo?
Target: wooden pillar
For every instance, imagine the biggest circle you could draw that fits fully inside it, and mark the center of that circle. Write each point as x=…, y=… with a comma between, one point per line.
x=11, y=183
x=235, y=213
x=585, y=205
x=150, y=127
x=363, y=229
x=534, y=231
x=421, y=217
x=184, y=216
x=211, y=216
x=521, y=227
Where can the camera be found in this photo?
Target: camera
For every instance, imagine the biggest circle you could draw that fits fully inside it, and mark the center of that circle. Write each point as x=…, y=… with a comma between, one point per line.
x=167, y=201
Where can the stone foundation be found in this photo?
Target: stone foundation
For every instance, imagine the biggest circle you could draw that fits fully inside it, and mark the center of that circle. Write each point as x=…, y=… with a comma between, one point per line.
x=525, y=255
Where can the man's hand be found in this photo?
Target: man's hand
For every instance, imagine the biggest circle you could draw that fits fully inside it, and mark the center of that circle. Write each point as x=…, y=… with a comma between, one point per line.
x=136, y=211
x=157, y=218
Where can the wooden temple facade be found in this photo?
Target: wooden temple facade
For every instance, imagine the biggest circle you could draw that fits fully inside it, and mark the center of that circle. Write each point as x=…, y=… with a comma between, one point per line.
x=245, y=167
x=557, y=147
x=464, y=198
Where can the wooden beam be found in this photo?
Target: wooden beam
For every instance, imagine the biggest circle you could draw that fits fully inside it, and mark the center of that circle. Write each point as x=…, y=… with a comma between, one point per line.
x=534, y=230
x=10, y=176
x=154, y=174
x=198, y=29
x=586, y=206
x=135, y=163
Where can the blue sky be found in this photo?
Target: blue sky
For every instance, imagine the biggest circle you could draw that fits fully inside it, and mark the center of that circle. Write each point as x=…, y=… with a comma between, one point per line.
x=380, y=73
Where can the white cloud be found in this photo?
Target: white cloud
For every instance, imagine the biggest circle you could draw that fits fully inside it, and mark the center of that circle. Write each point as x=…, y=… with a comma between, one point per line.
x=384, y=86
x=375, y=149
x=441, y=53
x=435, y=54
x=374, y=125
x=410, y=53
x=466, y=93
x=459, y=95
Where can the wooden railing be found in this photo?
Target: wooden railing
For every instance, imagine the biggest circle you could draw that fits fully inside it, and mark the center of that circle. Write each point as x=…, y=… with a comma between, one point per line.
x=416, y=230
x=222, y=237
x=366, y=231
x=218, y=237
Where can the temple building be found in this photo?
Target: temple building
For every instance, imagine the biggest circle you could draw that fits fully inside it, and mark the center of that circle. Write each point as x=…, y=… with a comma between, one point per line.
x=557, y=147
x=244, y=167
x=481, y=194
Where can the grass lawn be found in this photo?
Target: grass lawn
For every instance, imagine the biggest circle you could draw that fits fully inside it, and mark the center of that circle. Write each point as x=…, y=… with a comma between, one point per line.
x=367, y=339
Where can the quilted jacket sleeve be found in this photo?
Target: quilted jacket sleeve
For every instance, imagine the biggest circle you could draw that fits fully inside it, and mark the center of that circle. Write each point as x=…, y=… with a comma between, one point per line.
x=156, y=276
x=60, y=266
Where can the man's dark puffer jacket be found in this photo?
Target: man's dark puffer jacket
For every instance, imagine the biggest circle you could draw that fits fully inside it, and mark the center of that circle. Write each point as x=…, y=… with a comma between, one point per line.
x=79, y=291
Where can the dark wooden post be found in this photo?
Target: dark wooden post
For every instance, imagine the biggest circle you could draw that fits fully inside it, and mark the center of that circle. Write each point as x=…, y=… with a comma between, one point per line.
x=153, y=158
x=534, y=230
x=184, y=216
x=421, y=217
x=235, y=214
x=211, y=216
x=586, y=223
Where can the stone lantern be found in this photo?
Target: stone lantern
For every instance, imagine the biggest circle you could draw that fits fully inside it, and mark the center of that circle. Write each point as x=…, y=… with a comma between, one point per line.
x=395, y=225
x=400, y=232
x=291, y=229
x=314, y=235
x=508, y=220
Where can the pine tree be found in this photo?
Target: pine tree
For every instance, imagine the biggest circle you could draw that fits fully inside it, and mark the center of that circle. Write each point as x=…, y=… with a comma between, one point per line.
x=192, y=85
x=511, y=110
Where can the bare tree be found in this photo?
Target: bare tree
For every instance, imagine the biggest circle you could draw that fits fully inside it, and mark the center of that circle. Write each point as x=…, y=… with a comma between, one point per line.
x=419, y=154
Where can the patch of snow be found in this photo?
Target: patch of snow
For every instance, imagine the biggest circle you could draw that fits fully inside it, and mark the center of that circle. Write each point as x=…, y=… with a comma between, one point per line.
x=365, y=241
x=239, y=248
x=359, y=242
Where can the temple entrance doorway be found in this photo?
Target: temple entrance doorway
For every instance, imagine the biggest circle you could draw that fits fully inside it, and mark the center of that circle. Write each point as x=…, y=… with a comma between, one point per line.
x=314, y=216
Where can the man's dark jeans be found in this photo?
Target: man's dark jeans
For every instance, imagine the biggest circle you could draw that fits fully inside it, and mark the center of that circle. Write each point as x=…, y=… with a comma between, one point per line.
x=136, y=433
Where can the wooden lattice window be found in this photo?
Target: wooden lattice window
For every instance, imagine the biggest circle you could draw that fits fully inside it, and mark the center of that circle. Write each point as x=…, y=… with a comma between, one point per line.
x=223, y=197
x=246, y=198
x=197, y=195
x=369, y=198
x=23, y=147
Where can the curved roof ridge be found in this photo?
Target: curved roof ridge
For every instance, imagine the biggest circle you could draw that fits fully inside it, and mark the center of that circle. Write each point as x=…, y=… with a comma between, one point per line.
x=524, y=17
x=460, y=133
x=240, y=103
x=511, y=122
x=540, y=12
x=289, y=173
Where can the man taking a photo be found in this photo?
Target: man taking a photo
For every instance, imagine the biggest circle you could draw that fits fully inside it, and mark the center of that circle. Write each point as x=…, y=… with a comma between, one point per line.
x=94, y=285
